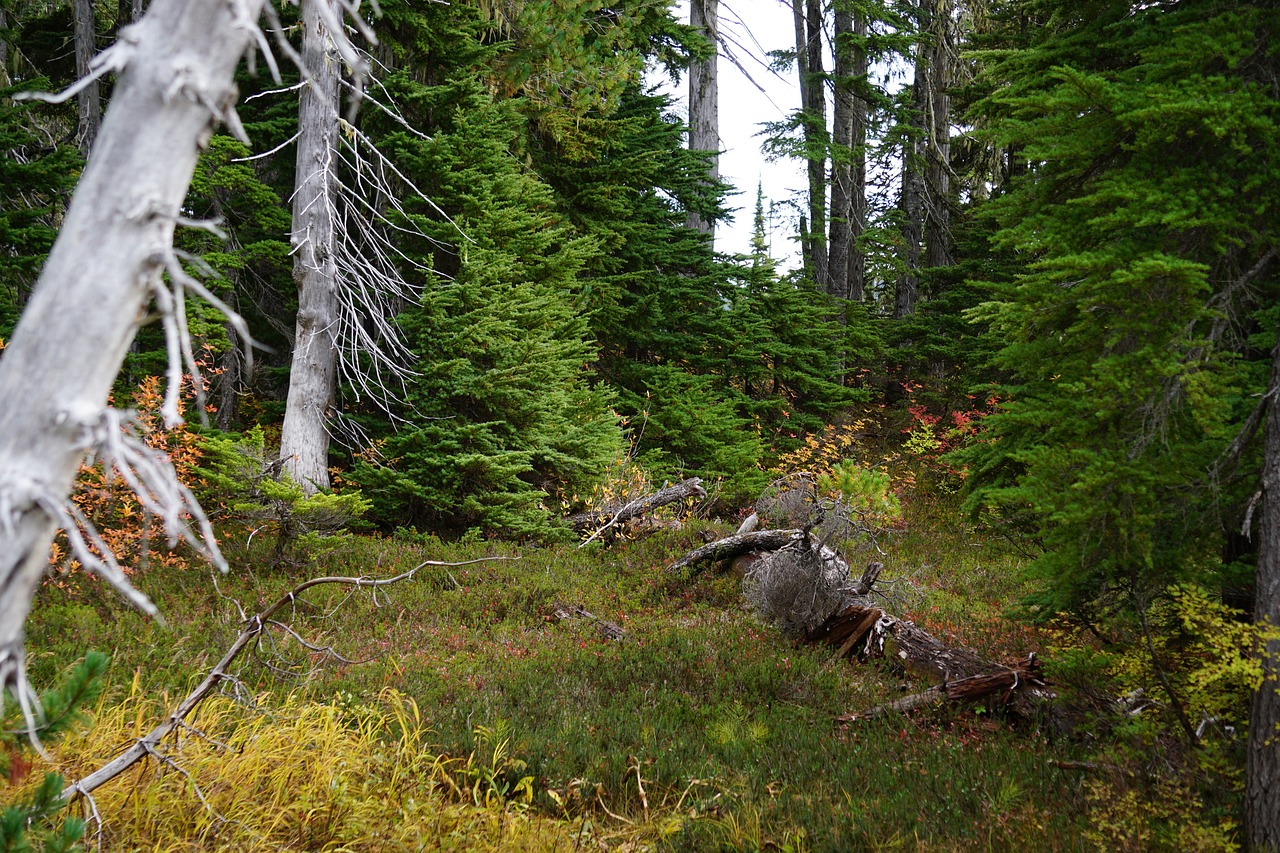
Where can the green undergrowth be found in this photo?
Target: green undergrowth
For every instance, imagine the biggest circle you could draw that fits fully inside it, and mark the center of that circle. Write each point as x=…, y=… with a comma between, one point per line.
x=704, y=725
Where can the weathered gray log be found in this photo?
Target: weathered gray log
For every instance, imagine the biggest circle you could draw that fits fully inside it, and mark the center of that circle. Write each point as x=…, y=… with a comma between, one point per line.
x=736, y=546
x=608, y=630
x=602, y=521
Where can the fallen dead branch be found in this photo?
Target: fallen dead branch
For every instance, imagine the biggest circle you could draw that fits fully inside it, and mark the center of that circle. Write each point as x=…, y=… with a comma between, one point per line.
x=607, y=629
x=254, y=630
x=604, y=521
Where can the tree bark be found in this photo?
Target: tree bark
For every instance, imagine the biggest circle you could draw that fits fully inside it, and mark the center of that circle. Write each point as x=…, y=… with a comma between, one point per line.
x=304, y=439
x=857, y=259
x=704, y=94
x=84, y=310
x=89, y=99
x=912, y=203
x=937, y=117
x=842, y=153
x=1262, y=761
x=807, y=16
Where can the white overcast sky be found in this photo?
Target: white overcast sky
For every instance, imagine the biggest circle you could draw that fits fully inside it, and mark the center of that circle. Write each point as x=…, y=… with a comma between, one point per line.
x=752, y=28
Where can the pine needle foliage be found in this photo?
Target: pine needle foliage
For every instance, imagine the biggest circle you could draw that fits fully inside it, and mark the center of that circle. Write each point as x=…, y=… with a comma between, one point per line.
x=500, y=415
x=35, y=822
x=1134, y=334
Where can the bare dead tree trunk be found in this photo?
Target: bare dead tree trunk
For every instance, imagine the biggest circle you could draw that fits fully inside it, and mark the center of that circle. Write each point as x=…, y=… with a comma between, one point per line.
x=704, y=97
x=175, y=82
x=304, y=439
x=937, y=153
x=89, y=99
x=816, y=141
x=1262, y=761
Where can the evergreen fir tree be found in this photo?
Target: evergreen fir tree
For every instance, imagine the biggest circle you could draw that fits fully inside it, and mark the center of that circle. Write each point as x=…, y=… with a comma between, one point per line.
x=1132, y=333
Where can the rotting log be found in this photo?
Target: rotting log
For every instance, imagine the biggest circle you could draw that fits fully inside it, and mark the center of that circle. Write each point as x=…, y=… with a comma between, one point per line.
x=605, y=520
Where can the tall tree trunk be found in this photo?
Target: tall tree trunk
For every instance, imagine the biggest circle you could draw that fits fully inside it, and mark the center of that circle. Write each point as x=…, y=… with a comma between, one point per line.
x=846, y=263
x=89, y=99
x=304, y=439
x=68, y=347
x=127, y=12
x=807, y=15
x=912, y=202
x=704, y=109
x=4, y=49
x=1262, y=761
x=842, y=154
x=937, y=118
x=858, y=185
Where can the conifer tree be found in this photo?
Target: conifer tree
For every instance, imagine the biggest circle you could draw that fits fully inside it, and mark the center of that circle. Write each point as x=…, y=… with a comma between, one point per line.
x=1136, y=331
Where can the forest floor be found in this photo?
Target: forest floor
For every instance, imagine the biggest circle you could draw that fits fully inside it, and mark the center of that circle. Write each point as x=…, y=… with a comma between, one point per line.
x=476, y=718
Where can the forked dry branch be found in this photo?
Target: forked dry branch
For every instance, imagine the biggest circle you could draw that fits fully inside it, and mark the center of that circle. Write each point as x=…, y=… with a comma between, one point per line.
x=255, y=629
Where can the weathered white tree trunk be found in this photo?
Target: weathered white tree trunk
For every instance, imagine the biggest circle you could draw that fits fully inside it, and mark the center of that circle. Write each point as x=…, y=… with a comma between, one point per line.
x=304, y=440
x=704, y=96
x=175, y=81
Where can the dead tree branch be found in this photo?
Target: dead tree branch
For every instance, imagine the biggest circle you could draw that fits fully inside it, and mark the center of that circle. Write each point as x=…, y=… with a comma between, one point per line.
x=606, y=520
x=250, y=637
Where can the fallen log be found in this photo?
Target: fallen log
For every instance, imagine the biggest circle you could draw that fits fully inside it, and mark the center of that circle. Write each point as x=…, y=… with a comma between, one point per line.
x=604, y=520
x=1021, y=682
x=736, y=546
x=806, y=580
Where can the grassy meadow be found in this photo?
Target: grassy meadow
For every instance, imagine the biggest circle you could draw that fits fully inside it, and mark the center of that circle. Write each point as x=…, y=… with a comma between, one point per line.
x=484, y=720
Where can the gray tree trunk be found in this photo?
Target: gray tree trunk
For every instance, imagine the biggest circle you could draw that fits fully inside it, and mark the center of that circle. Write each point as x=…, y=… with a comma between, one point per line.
x=68, y=347
x=4, y=49
x=858, y=190
x=842, y=154
x=304, y=439
x=816, y=142
x=937, y=118
x=89, y=99
x=704, y=97
x=912, y=204
x=1262, y=762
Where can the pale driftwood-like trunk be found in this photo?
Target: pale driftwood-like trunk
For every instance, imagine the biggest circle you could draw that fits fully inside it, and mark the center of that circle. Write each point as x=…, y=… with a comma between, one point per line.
x=604, y=520
x=89, y=100
x=175, y=81
x=304, y=439
x=704, y=96
x=1262, y=762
